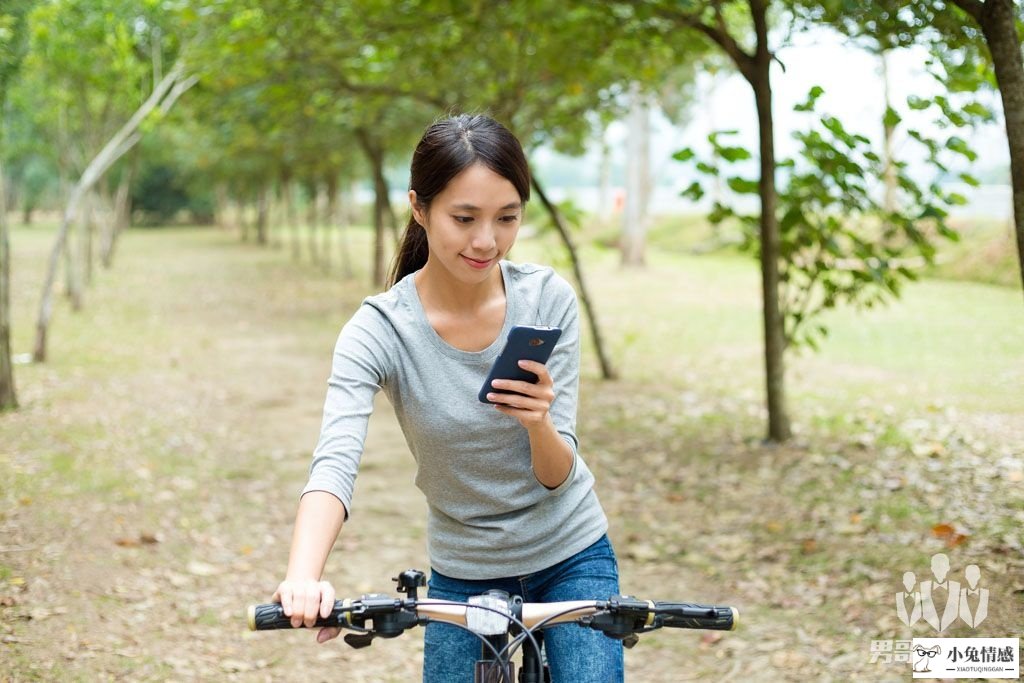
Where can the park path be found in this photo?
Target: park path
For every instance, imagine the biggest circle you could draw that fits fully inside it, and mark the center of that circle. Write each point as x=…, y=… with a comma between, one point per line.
x=165, y=486
x=156, y=466
x=148, y=487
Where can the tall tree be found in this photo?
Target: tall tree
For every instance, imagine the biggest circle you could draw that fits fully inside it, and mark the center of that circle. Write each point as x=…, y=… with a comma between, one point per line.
x=974, y=44
x=820, y=235
x=12, y=50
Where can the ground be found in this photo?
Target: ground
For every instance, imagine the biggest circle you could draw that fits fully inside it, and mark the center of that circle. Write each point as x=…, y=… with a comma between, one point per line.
x=150, y=479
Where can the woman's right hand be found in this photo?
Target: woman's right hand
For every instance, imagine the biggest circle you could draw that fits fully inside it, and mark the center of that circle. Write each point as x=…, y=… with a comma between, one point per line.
x=303, y=600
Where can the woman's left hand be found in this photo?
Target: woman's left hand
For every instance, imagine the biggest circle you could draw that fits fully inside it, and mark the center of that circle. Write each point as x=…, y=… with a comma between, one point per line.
x=531, y=409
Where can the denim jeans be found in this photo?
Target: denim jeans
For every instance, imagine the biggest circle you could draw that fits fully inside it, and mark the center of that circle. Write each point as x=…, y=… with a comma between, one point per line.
x=575, y=654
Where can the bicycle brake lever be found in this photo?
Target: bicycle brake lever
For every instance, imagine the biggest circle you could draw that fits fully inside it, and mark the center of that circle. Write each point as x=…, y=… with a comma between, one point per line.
x=359, y=640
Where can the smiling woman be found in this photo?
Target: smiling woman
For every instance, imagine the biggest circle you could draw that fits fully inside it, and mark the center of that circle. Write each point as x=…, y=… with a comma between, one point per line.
x=511, y=504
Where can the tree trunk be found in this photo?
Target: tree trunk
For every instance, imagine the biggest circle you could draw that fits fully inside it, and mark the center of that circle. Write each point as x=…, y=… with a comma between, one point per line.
x=72, y=272
x=331, y=224
x=341, y=220
x=311, y=221
x=8, y=395
x=88, y=228
x=122, y=212
x=607, y=372
x=634, y=226
x=889, y=132
x=291, y=217
x=604, y=173
x=375, y=155
x=998, y=23
x=164, y=95
x=323, y=204
x=261, y=214
x=222, y=206
x=774, y=339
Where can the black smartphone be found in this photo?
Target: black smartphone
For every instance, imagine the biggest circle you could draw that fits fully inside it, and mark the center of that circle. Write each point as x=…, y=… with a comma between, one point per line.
x=525, y=342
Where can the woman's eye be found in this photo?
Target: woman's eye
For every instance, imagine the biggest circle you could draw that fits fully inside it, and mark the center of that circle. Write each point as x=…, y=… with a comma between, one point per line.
x=463, y=219
x=509, y=219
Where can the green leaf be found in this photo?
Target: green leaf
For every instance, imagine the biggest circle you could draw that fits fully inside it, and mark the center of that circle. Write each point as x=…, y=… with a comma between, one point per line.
x=891, y=118
x=918, y=103
x=960, y=146
x=707, y=168
x=742, y=185
x=734, y=153
x=970, y=180
x=694, y=192
x=685, y=154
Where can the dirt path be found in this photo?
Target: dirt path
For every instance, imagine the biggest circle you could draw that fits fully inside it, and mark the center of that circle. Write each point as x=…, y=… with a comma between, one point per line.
x=153, y=500
x=154, y=490
x=148, y=487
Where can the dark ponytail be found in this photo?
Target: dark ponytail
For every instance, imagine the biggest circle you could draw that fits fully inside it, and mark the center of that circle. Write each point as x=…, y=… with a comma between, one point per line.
x=448, y=147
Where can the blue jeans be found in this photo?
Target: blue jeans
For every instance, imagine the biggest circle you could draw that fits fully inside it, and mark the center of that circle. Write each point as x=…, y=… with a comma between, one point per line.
x=575, y=654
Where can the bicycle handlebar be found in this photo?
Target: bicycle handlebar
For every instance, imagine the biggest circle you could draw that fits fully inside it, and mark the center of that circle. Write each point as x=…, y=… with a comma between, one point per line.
x=618, y=617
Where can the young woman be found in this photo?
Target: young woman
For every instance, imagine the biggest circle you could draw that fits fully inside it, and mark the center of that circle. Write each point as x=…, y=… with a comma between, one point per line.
x=511, y=504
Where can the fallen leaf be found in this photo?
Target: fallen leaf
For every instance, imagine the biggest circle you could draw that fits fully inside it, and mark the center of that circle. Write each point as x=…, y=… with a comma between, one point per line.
x=949, y=534
x=710, y=638
x=127, y=542
x=7, y=601
x=148, y=538
x=808, y=546
x=202, y=569
x=16, y=581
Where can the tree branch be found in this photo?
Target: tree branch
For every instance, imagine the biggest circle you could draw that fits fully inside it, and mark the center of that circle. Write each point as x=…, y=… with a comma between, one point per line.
x=719, y=34
x=973, y=7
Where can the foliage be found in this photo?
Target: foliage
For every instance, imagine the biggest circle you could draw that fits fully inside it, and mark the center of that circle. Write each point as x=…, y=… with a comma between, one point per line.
x=838, y=242
x=162, y=194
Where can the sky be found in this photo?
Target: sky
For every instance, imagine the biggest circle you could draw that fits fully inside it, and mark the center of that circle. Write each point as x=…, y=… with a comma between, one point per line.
x=854, y=92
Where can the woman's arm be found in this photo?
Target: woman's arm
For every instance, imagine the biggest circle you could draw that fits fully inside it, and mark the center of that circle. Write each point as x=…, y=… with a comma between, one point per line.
x=551, y=455
x=302, y=594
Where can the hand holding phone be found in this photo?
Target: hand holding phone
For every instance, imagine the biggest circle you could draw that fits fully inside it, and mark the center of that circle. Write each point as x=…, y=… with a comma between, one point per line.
x=525, y=342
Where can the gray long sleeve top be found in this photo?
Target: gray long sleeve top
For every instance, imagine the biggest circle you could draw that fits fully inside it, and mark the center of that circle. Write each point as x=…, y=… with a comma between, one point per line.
x=488, y=516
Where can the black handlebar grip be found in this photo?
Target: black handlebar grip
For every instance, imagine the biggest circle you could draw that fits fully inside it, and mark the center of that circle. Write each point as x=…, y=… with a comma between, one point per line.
x=686, y=615
x=271, y=616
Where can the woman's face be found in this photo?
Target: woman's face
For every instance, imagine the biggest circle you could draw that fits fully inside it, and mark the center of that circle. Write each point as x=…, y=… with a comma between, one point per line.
x=471, y=224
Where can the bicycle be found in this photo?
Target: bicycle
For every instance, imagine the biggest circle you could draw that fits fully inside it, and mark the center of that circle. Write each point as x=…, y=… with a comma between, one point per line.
x=496, y=615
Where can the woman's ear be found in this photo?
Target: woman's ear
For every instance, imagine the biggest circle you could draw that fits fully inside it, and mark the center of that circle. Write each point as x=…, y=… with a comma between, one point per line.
x=417, y=210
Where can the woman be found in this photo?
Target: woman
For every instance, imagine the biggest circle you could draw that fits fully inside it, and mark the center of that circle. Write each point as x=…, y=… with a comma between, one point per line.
x=511, y=505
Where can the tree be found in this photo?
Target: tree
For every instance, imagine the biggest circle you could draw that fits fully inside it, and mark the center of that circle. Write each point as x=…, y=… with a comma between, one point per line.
x=974, y=44
x=12, y=50
x=820, y=235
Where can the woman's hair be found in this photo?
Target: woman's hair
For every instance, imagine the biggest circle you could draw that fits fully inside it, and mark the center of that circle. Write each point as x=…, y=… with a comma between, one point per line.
x=448, y=147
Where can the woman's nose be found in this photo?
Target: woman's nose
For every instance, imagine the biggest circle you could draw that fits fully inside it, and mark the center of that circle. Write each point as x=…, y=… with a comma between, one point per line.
x=483, y=239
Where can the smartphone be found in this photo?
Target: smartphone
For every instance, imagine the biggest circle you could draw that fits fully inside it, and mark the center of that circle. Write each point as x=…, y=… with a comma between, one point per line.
x=525, y=342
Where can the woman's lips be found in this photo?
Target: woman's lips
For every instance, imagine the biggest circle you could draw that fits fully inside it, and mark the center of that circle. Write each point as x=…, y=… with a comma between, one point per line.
x=479, y=265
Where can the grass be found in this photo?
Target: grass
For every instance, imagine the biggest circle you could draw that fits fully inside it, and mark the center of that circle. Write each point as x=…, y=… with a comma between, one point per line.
x=142, y=421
